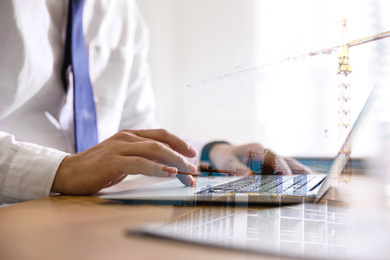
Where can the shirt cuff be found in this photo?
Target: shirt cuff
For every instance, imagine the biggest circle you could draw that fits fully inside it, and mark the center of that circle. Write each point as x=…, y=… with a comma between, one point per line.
x=31, y=173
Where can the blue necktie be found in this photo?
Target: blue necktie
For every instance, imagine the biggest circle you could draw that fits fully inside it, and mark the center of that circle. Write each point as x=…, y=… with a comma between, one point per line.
x=76, y=56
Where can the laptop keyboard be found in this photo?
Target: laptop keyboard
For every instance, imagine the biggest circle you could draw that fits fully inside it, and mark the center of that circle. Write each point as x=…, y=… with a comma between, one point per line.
x=264, y=184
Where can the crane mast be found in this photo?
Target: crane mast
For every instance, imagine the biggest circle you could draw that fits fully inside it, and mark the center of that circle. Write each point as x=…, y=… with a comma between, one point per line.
x=344, y=109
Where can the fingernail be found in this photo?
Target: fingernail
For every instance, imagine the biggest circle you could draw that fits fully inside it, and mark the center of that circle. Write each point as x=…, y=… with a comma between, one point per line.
x=192, y=181
x=172, y=171
x=192, y=149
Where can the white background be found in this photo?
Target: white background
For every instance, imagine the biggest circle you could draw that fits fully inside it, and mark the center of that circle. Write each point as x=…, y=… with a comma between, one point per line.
x=285, y=107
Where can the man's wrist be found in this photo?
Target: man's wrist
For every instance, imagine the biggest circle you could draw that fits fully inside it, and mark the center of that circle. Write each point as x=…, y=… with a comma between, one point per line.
x=62, y=176
x=206, y=151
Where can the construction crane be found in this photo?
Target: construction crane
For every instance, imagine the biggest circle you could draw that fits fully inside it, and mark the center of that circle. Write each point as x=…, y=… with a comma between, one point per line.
x=344, y=89
x=253, y=67
x=344, y=108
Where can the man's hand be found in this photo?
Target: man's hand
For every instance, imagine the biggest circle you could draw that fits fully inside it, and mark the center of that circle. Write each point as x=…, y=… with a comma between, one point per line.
x=148, y=152
x=225, y=156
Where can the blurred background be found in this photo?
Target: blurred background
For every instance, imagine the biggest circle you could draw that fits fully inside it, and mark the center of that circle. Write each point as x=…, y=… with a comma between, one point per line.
x=290, y=107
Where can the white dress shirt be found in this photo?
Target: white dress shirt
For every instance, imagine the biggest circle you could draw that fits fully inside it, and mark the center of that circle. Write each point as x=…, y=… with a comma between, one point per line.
x=36, y=117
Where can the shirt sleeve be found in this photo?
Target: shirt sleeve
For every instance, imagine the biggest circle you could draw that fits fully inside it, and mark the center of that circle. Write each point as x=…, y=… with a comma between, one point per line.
x=27, y=170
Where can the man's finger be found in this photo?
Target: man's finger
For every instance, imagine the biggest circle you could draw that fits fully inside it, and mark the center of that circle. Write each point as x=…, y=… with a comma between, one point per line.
x=242, y=150
x=281, y=166
x=137, y=165
x=297, y=167
x=172, y=140
x=156, y=151
x=187, y=180
x=130, y=137
x=240, y=168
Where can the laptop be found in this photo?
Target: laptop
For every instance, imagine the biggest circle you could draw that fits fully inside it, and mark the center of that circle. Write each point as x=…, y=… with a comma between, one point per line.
x=267, y=190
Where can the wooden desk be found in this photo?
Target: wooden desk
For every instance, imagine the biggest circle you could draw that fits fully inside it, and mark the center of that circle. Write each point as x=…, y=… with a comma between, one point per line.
x=86, y=227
